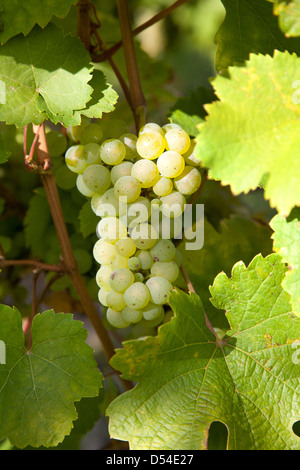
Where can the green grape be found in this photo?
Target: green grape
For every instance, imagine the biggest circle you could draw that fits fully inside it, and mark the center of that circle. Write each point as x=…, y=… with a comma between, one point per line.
x=102, y=277
x=152, y=323
x=127, y=187
x=102, y=294
x=150, y=145
x=170, y=164
x=189, y=181
x=104, y=252
x=111, y=229
x=137, y=212
x=167, y=269
x=146, y=172
x=152, y=312
x=115, y=300
x=173, y=205
x=169, y=126
x=125, y=247
x=112, y=152
x=113, y=128
x=119, y=262
x=97, y=178
x=74, y=132
x=144, y=236
x=163, y=250
x=107, y=204
x=155, y=204
x=74, y=159
x=151, y=126
x=129, y=140
x=160, y=289
x=177, y=140
x=190, y=156
x=139, y=277
x=121, y=279
x=163, y=187
x=82, y=188
x=64, y=178
x=131, y=315
x=145, y=258
x=57, y=143
x=116, y=319
x=92, y=133
x=91, y=153
x=137, y=295
x=134, y=263
x=123, y=169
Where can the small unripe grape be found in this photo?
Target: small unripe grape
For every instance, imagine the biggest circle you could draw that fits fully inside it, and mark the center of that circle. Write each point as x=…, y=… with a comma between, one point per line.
x=91, y=153
x=116, y=319
x=92, y=133
x=57, y=143
x=134, y=263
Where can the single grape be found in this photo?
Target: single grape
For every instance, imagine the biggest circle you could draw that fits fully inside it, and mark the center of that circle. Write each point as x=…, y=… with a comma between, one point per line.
x=152, y=323
x=144, y=236
x=150, y=145
x=92, y=133
x=190, y=156
x=97, y=178
x=107, y=204
x=137, y=295
x=152, y=312
x=74, y=132
x=102, y=294
x=189, y=181
x=131, y=315
x=102, y=277
x=167, y=269
x=129, y=140
x=170, y=164
x=163, y=186
x=74, y=159
x=123, y=169
x=177, y=140
x=82, y=188
x=137, y=212
x=104, y=252
x=128, y=188
x=134, y=263
x=125, y=247
x=145, y=258
x=57, y=143
x=112, y=152
x=121, y=279
x=116, y=319
x=163, y=250
x=111, y=229
x=115, y=300
x=91, y=153
x=151, y=126
x=173, y=205
x=146, y=172
x=160, y=289
x=139, y=277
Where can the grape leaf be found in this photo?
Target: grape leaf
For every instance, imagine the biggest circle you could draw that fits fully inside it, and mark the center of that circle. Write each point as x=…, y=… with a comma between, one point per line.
x=188, y=378
x=287, y=243
x=243, y=143
x=219, y=253
x=15, y=19
x=38, y=388
x=46, y=75
x=289, y=16
x=249, y=26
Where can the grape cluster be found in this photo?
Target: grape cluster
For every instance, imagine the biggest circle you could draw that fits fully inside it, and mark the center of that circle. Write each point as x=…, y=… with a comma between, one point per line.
x=138, y=187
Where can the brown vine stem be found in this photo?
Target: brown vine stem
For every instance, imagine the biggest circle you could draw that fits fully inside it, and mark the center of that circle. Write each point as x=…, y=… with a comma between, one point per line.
x=159, y=16
x=4, y=263
x=66, y=248
x=83, y=22
x=136, y=92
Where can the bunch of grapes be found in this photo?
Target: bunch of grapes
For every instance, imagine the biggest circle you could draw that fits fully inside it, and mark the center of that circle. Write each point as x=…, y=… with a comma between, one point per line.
x=138, y=187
